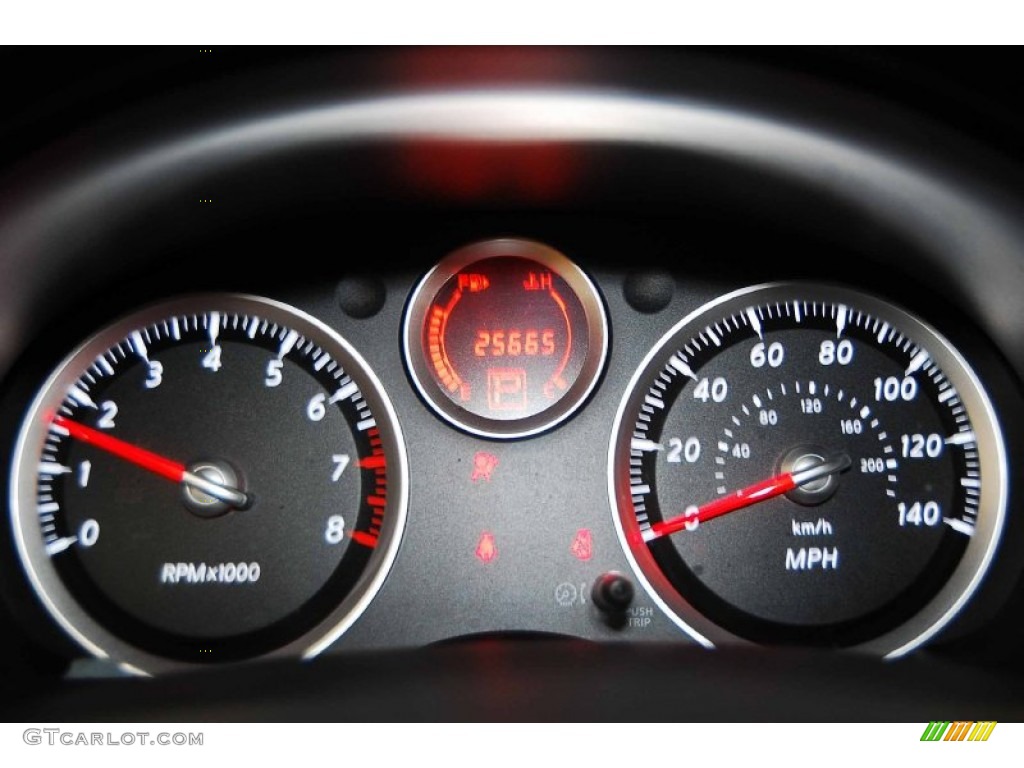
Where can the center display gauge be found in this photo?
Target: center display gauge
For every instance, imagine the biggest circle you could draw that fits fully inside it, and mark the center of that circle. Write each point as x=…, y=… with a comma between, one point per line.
x=802, y=464
x=505, y=338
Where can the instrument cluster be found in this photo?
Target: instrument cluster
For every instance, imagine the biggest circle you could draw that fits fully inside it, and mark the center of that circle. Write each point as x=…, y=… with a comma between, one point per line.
x=519, y=438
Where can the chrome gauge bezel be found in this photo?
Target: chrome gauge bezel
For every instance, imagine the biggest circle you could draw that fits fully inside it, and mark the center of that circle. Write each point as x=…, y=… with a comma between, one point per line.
x=451, y=265
x=941, y=609
x=61, y=604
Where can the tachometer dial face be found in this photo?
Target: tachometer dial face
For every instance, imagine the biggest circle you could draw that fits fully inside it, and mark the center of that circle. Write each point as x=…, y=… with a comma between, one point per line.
x=210, y=479
x=505, y=338
x=802, y=464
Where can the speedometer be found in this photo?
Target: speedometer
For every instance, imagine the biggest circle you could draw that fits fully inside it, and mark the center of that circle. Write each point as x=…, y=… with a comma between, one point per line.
x=801, y=464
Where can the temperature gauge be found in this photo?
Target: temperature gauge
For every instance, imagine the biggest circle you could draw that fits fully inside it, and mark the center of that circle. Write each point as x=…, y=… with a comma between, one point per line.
x=505, y=338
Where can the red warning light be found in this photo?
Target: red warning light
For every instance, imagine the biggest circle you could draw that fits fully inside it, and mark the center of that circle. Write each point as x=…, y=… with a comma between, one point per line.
x=486, y=550
x=484, y=465
x=583, y=545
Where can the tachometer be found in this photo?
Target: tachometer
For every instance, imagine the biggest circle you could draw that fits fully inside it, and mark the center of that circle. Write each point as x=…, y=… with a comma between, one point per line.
x=803, y=464
x=210, y=479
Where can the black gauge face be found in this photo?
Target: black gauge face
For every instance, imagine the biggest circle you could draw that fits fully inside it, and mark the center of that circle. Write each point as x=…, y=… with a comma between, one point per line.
x=213, y=479
x=797, y=464
x=505, y=338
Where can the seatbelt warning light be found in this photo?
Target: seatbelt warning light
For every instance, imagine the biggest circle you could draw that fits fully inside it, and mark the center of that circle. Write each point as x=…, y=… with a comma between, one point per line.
x=484, y=465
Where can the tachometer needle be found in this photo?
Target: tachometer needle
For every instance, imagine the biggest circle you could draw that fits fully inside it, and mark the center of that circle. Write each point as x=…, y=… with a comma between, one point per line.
x=745, y=497
x=155, y=463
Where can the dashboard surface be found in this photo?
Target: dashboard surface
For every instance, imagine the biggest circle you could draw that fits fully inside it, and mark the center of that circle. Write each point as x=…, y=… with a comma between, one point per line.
x=670, y=180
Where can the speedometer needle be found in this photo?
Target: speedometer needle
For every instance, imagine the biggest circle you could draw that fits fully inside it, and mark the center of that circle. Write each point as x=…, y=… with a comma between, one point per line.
x=155, y=463
x=745, y=497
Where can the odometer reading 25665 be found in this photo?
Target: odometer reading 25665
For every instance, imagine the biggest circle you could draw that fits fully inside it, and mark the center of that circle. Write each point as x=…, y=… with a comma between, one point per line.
x=505, y=338
x=802, y=464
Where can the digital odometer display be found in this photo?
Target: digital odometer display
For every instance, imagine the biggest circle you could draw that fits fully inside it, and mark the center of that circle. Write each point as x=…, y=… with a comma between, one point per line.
x=505, y=338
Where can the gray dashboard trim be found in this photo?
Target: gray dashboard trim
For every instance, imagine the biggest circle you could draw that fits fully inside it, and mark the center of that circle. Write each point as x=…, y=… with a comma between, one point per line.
x=970, y=232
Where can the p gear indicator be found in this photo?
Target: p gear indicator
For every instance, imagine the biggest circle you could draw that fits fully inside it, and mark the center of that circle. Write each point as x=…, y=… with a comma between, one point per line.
x=505, y=338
